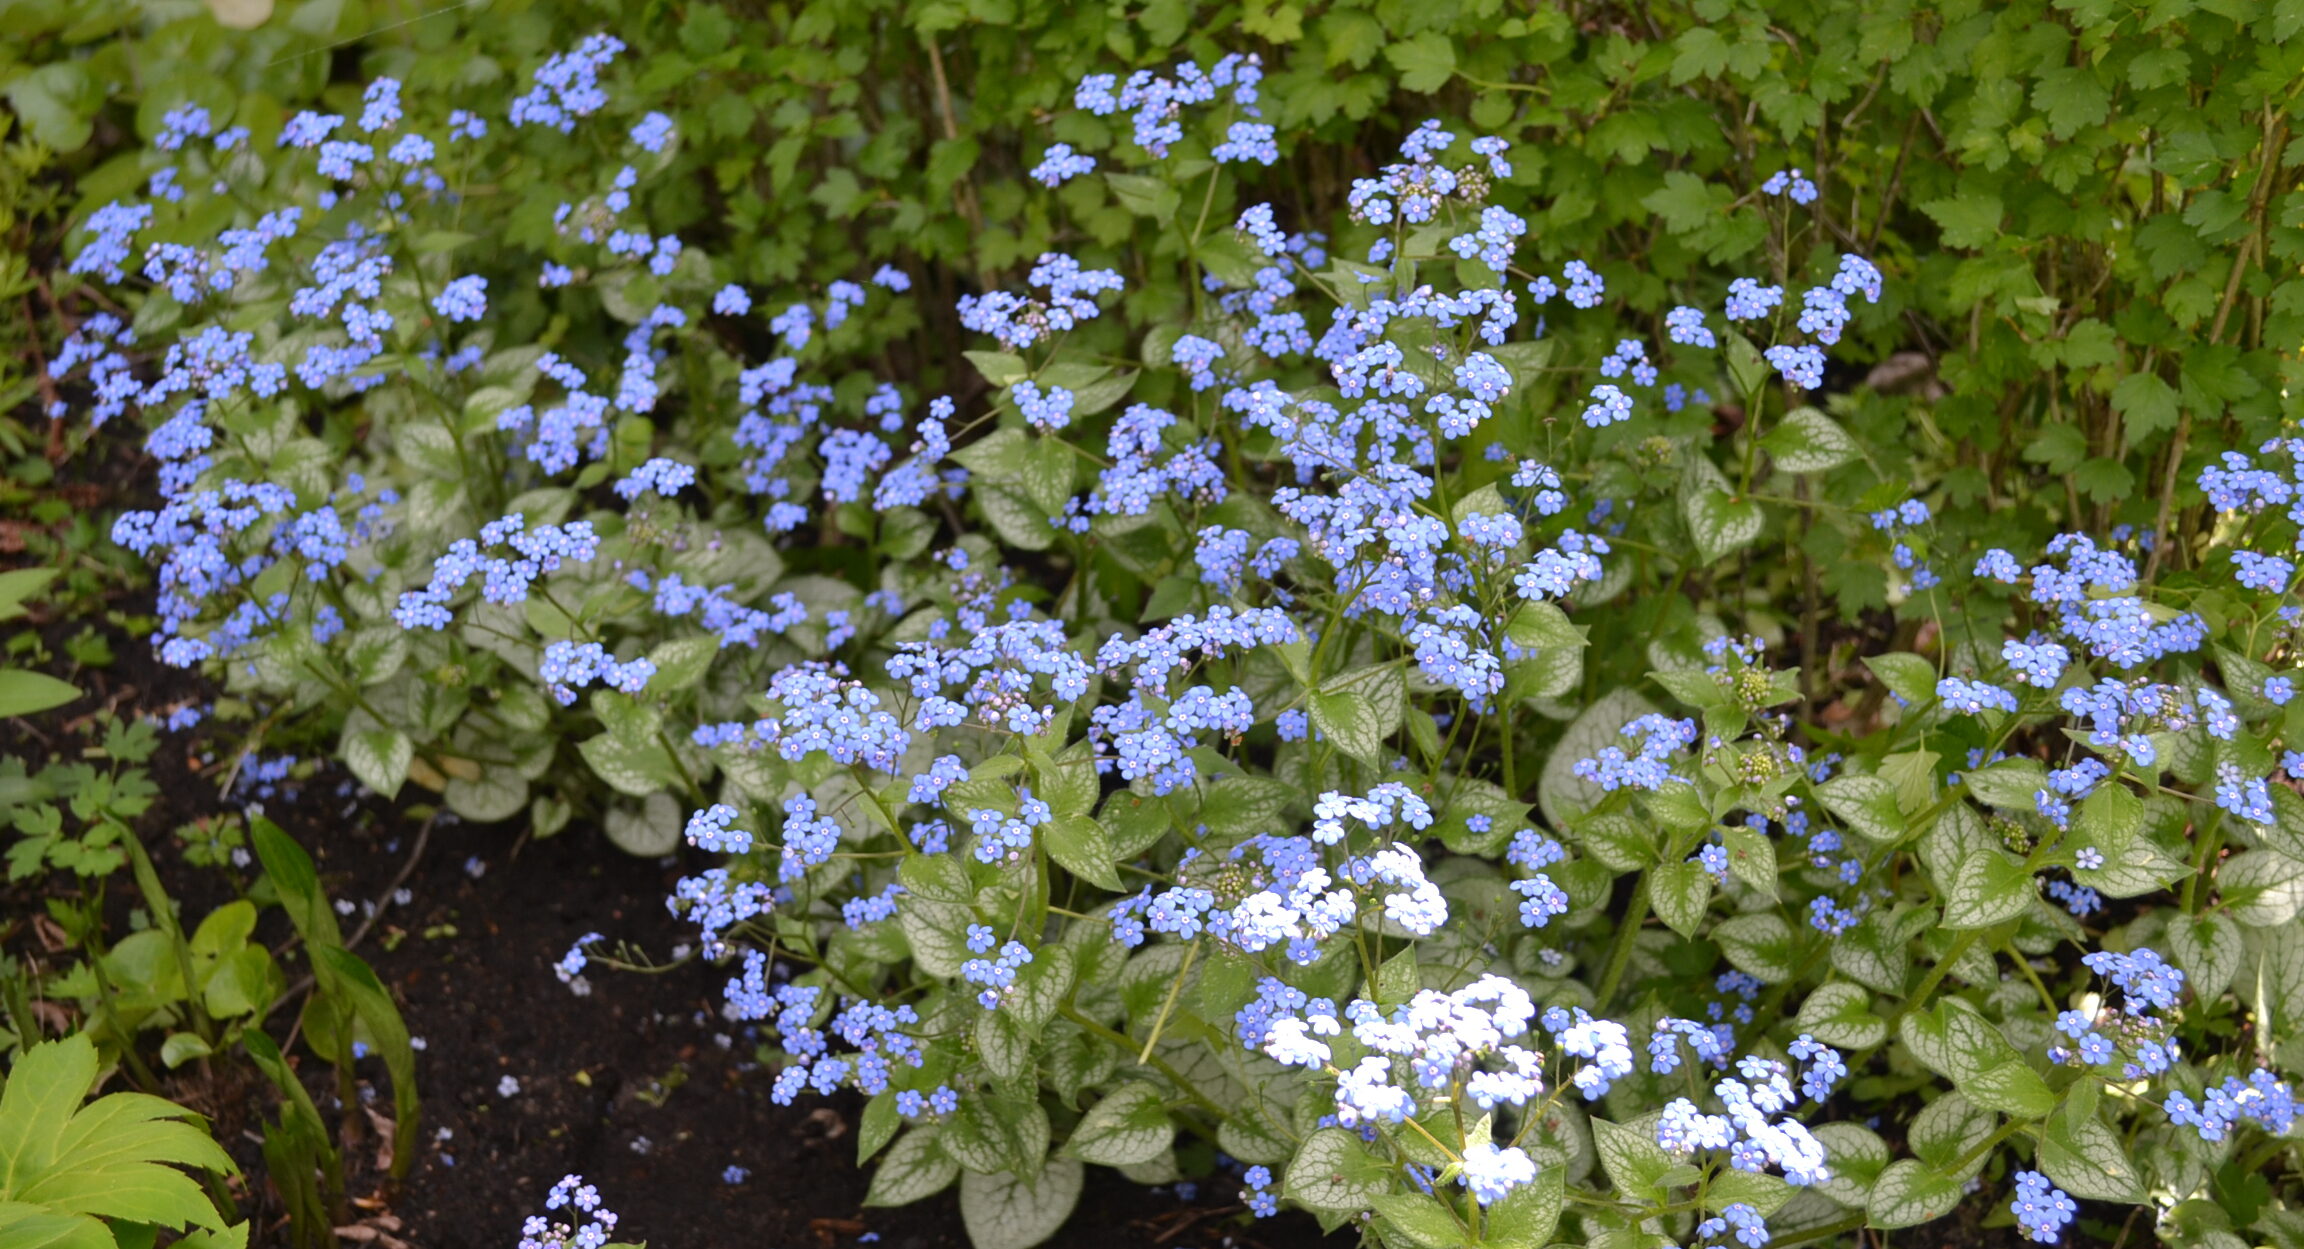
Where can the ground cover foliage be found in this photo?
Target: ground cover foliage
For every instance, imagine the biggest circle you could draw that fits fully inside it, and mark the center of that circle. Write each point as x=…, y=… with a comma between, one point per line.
x=1610, y=626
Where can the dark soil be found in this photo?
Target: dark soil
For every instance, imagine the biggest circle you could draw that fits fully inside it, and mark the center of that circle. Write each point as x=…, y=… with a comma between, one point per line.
x=640, y=1086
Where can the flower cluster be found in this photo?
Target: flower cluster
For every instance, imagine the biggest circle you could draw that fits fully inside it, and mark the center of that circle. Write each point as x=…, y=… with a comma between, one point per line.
x=1660, y=738
x=585, y=1223
x=1753, y=1128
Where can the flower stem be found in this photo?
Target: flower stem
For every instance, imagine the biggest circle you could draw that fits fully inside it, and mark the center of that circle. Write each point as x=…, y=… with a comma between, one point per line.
x=1620, y=949
x=1175, y=987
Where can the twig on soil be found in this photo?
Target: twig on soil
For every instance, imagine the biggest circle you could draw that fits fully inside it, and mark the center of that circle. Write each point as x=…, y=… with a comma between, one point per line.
x=384, y=899
x=1182, y=1222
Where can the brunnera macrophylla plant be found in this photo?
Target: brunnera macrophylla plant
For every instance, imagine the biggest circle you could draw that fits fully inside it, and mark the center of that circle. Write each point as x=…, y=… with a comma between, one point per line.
x=1269, y=726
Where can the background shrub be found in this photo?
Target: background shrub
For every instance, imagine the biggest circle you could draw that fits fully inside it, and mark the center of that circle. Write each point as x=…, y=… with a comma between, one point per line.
x=1398, y=626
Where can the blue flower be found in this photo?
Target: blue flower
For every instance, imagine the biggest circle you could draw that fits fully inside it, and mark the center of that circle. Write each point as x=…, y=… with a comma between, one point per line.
x=2041, y=1209
x=1491, y=1173
x=709, y=830
x=1048, y=410
x=1790, y=182
x=1750, y=301
x=1061, y=164
x=381, y=105
x=1685, y=325
x=464, y=299
x=653, y=132
x=1803, y=366
x=1973, y=697
x=1609, y=405
x=1247, y=140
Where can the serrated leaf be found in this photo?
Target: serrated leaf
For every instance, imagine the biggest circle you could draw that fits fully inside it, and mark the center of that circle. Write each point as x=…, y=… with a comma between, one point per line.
x=1426, y=62
x=1698, y=52
x=1688, y=204
x=2146, y=406
x=115, y=1158
x=29, y=1227
x=1970, y=219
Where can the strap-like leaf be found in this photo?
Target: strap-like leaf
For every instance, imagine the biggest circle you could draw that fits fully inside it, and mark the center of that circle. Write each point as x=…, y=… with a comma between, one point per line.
x=373, y=1004
x=298, y=882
